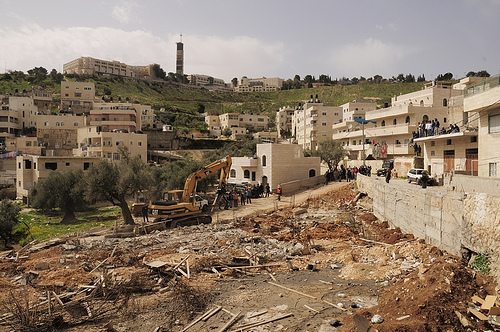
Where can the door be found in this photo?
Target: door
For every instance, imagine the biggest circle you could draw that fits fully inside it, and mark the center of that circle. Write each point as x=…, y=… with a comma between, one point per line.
x=471, y=162
x=449, y=161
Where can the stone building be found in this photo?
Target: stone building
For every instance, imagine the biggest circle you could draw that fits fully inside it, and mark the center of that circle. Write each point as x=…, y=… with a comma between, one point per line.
x=274, y=164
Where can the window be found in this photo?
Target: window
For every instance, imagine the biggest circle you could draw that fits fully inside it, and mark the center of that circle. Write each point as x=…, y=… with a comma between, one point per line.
x=383, y=123
x=494, y=124
x=139, y=143
x=116, y=156
x=312, y=173
x=78, y=94
x=448, y=141
x=425, y=118
x=46, y=123
x=67, y=164
x=232, y=173
x=28, y=143
x=52, y=166
x=27, y=164
x=445, y=102
x=246, y=174
x=407, y=119
x=433, y=143
x=433, y=153
x=394, y=122
x=86, y=166
x=493, y=169
x=473, y=139
x=323, y=113
x=264, y=160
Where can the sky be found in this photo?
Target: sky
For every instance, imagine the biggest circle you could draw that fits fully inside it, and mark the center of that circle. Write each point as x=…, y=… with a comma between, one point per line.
x=258, y=38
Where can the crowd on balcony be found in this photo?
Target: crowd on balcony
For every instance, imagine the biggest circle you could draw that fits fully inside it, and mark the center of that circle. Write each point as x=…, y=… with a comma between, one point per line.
x=431, y=128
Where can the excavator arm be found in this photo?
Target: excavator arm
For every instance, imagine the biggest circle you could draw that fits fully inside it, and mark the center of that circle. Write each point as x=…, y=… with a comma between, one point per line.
x=224, y=165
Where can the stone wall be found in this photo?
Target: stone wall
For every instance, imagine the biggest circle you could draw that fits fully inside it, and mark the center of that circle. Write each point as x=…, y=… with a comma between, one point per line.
x=294, y=186
x=450, y=220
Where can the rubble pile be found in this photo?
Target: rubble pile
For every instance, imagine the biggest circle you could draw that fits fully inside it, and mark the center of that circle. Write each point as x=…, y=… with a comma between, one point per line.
x=323, y=264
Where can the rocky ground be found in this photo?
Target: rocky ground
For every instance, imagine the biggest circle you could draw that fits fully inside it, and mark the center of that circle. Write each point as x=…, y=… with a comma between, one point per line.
x=316, y=261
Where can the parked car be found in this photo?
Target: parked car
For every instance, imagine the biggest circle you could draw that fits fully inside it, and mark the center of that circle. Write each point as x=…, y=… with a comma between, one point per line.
x=414, y=175
x=387, y=164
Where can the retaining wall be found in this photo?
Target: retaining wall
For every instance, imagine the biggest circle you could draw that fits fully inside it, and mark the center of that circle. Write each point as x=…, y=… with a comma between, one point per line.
x=450, y=220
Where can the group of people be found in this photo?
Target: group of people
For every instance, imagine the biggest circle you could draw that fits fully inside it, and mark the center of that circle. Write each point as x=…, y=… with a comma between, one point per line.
x=348, y=174
x=244, y=195
x=431, y=128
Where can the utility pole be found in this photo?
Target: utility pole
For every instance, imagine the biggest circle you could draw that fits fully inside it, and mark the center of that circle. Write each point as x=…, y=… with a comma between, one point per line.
x=363, y=122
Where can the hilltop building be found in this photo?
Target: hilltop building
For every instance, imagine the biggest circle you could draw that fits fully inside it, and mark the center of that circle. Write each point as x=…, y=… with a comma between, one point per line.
x=93, y=66
x=209, y=82
x=77, y=97
x=237, y=123
x=263, y=84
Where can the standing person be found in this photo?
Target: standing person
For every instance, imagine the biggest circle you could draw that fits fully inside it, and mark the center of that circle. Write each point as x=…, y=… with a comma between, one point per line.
x=279, y=191
x=388, y=175
x=243, y=197
x=145, y=213
x=249, y=195
x=268, y=189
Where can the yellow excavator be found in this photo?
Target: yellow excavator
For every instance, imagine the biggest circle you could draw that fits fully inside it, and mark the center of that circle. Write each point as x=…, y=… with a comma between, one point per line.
x=184, y=207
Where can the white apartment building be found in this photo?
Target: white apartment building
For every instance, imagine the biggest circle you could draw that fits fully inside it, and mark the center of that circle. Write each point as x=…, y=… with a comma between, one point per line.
x=312, y=122
x=119, y=116
x=238, y=123
x=262, y=84
x=394, y=125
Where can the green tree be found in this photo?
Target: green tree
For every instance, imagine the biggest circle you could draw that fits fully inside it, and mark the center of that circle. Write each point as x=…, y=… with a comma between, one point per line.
x=113, y=182
x=234, y=81
x=9, y=217
x=63, y=190
x=227, y=132
x=158, y=71
x=331, y=152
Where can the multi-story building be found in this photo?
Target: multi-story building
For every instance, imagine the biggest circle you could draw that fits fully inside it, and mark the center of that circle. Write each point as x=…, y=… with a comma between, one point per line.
x=92, y=66
x=95, y=143
x=238, y=123
x=263, y=84
x=42, y=99
x=16, y=114
x=284, y=117
x=179, y=58
x=208, y=82
x=77, y=97
x=58, y=133
x=481, y=104
x=312, y=122
x=119, y=116
x=394, y=126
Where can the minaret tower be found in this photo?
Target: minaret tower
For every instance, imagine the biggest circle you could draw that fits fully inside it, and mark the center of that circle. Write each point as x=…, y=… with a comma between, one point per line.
x=179, y=61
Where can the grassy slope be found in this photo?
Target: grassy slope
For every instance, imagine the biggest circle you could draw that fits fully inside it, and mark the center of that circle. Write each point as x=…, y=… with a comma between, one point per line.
x=188, y=100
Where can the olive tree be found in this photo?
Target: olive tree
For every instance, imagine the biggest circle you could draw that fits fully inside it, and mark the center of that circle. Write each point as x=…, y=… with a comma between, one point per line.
x=114, y=181
x=331, y=152
x=63, y=190
x=9, y=217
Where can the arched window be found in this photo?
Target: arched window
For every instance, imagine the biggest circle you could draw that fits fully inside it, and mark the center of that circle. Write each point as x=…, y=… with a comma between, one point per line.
x=246, y=174
x=425, y=118
x=232, y=173
x=264, y=160
x=407, y=119
x=445, y=102
x=421, y=103
x=394, y=122
x=312, y=173
x=383, y=123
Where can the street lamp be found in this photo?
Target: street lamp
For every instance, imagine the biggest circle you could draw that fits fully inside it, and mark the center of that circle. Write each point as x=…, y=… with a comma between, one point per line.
x=363, y=121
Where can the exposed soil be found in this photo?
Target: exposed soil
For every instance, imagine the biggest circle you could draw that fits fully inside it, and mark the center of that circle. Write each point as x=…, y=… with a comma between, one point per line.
x=316, y=259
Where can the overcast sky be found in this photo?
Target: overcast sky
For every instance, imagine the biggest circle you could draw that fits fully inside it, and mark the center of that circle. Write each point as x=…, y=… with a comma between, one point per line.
x=271, y=38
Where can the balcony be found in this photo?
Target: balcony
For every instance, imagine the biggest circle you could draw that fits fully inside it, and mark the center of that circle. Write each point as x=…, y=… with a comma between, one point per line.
x=399, y=129
x=482, y=95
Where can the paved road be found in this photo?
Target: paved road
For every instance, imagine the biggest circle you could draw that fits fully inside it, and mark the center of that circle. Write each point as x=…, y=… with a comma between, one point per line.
x=271, y=203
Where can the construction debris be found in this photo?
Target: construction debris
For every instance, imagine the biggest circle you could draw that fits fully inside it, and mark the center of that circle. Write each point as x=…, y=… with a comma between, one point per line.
x=296, y=267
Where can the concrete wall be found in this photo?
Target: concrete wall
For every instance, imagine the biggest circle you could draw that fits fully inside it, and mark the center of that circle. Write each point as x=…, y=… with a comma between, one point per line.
x=450, y=220
x=294, y=186
x=472, y=184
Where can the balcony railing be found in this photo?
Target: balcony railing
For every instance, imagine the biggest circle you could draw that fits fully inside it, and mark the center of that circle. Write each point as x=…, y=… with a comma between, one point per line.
x=483, y=86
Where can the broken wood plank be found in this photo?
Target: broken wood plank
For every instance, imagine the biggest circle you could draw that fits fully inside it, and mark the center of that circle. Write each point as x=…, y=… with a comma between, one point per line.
x=230, y=322
x=197, y=320
x=255, y=266
x=293, y=290
x=187, y=269
x=182, y=261
x=259, y=313
x=376, y=242
x=478, y=314
x=255, y=324
x=215, y=270
x=312, y=309
x=211, y=313
x=58, y=299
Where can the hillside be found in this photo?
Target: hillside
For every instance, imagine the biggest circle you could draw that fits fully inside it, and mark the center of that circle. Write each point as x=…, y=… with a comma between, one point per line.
x=185, y=105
